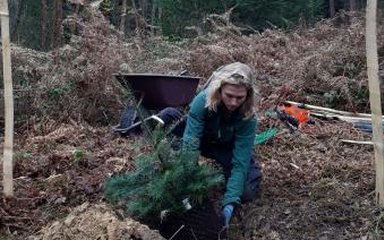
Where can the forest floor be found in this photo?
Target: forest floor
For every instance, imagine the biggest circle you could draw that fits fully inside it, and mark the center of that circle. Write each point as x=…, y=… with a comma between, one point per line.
x=315, y=186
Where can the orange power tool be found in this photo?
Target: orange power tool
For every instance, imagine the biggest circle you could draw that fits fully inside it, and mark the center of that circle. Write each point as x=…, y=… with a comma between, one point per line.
x=292, y=114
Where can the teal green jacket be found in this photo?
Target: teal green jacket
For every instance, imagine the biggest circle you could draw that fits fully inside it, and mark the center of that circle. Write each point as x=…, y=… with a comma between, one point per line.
x=236, y=131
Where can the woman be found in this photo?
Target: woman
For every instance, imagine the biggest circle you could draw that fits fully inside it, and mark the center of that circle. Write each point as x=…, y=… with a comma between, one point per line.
x=221, y=125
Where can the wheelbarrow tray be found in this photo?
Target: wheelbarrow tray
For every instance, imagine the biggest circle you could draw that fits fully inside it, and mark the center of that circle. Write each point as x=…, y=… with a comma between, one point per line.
x=160, y=91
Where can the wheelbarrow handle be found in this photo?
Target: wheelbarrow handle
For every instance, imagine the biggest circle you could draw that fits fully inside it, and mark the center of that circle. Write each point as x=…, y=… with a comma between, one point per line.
x=138, y=123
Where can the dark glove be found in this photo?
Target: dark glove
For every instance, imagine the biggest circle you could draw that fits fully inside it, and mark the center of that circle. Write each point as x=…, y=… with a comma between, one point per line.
x=170, y=115
x=227, y=215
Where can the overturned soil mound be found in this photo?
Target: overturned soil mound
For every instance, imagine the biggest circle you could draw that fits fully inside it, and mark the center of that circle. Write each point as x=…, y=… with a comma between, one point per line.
x=90, y=221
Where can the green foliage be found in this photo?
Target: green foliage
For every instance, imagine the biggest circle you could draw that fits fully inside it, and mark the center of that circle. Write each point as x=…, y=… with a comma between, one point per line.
x=19, y=79
x=25, y=20
x=331, y=97
x=278, y=13
x=4, y=237
x=25, y=154
x=359, y=93
x=79, y=154
x=177, y=14
x=106, y=7
x=162, y=179
x=58, y=91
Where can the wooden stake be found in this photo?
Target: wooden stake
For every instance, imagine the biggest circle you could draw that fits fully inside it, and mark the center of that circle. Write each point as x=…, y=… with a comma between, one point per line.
x=8, y=100
x=374, y=97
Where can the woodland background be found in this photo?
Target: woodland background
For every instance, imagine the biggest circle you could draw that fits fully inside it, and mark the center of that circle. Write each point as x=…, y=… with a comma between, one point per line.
x=37, y=24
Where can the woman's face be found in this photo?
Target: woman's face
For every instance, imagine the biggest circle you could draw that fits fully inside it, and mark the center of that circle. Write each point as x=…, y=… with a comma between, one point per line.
x=233, y=96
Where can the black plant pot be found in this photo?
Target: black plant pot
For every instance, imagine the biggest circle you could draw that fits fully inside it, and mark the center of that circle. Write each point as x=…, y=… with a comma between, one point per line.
x=201, y=223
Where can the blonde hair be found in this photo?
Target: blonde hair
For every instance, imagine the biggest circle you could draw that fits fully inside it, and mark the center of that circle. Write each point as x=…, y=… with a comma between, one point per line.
x=235, y=73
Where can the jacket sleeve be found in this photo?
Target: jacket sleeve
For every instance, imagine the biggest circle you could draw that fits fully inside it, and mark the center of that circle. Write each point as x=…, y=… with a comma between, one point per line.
x=195, y=124
x=242, y=152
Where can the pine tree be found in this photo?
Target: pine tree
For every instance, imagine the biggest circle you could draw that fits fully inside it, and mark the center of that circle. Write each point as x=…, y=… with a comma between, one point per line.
x=161, y=181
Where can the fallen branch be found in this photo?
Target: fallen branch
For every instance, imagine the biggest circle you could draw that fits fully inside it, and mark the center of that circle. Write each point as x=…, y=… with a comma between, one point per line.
x=10, y=225
x=17, y=218
x=4, y=213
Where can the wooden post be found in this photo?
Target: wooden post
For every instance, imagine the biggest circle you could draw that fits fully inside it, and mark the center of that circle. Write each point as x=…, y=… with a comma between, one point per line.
x=8, y=99
x=374, y=97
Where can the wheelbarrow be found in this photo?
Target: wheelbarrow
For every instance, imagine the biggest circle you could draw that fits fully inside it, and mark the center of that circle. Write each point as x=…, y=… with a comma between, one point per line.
x=154, y=92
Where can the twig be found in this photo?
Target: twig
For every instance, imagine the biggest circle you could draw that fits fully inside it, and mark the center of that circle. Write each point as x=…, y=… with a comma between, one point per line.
x=221, y=231
x=16, y=218
x=52, y=177
x=182, y=226
x=295, y=166
x=17, y=226
x=4, y=213
x=357, y=142
x=193, y=233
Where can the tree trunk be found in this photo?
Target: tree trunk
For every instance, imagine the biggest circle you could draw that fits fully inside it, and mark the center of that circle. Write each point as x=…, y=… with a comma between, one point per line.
x=53, y=21
x=374, y=97
x=332, y=8
x=353, y=5
x=134, y=8
x=137, y=20
x=59, y=22
x=19, y=15
x=57, y=16
x=123, y=18
x=143, y=6
x=159, y=13
x=8, y=101
x=153, y=17
x=43, y=25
